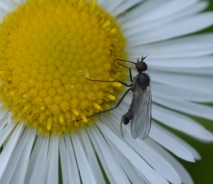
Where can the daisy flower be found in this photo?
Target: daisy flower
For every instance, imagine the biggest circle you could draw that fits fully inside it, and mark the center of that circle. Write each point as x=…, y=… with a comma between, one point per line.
x=49, y=49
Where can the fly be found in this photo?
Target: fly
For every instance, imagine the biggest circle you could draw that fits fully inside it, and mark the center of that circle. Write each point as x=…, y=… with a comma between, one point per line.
x=140, y=110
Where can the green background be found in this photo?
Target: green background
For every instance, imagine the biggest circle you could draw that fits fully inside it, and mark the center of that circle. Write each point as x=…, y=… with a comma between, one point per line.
x=202, y=170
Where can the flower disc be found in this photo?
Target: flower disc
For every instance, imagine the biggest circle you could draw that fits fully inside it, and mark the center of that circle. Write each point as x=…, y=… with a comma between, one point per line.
x=49, y=50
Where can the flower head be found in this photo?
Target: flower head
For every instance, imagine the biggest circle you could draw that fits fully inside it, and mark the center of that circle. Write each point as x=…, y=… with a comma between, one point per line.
x=49, y=50
x=58, y=70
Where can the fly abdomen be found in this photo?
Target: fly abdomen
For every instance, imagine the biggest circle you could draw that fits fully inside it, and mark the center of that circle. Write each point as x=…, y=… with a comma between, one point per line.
x=126, y=119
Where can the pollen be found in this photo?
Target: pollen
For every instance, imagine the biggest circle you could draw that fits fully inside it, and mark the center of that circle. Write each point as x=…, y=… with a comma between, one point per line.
x=53, y=56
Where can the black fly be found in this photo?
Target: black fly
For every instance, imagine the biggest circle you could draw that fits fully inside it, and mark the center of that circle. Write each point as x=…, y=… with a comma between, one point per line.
x=139, y=113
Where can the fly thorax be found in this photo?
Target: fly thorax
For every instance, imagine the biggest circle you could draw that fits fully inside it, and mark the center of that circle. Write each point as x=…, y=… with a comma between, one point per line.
x=143, y=80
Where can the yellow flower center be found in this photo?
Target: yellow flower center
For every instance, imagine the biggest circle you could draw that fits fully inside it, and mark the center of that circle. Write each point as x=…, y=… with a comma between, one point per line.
x=48, y=49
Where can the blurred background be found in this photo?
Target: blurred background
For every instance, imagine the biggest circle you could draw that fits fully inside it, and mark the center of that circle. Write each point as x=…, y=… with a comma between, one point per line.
x=202, y=170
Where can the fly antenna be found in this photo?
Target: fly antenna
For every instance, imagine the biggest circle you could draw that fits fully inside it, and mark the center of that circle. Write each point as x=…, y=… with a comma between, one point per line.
x=143, y=58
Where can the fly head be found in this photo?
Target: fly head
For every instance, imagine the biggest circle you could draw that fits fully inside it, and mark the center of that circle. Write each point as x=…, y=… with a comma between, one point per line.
x=141, y=66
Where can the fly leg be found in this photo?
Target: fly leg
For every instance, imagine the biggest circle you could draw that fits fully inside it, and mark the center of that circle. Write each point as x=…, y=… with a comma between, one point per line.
x=116, y=60
x=127, y=85
x=101, y=112
x=122, y=134
x=130, y=72
x=113, y=107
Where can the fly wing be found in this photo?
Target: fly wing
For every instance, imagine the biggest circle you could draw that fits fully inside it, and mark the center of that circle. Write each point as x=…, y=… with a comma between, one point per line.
x=142, y=115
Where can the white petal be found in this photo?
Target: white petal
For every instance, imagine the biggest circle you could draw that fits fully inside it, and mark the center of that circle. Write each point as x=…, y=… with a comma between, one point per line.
x=5, y=6
x=14, y=159
x=6, y=130
x=64, y=162
x=124, y=6
x=153, y=158
x=194, y=82
x=167, y=9
x=83, y=165
x=160, y=135
x=174, y=103
x=21, y=169
x=10, y=146
x=181, y=123
x=110, y=4
x=178, y=28
x=133, y=174
x=173, y=143
x=132, y=156
x=3, y=120
x=119, y=161
x=184, y=106
x=169, y=118
x=17, y=2
x=181, y=63
x=113, y=167
x=184, y=175
x=16, y=168
x=91, y=156
x=138, y=11
x=182, y=93
x=37, y=164
x=191, y=46
x=71, y=160
x=33, y=158
x=136, y=25
x=52, y=161
x=197, y=65
x=192, y=71
x=100, y=2
x=101, y=158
